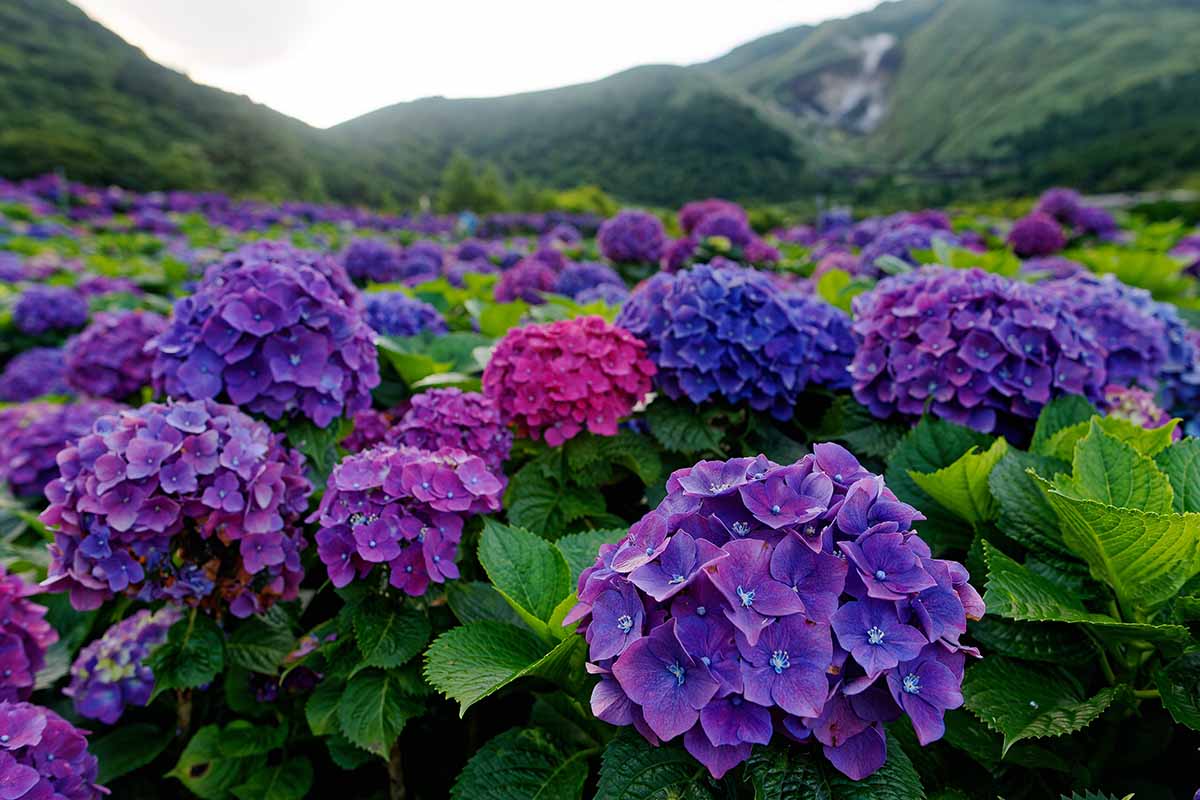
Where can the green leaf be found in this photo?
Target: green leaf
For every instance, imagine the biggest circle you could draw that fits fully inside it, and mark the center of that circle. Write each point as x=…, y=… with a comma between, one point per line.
x=635, y=452
x=373, y=710
x=319, y=446
x=287, y=780
x=682, y=429
x=474, y=601
x=527, y=570
x=1025, y=515
x=1060, y=413
x=581, y=549
x=241, y=738
x=470, y=662
x=1022, y=701
x=387, y=634
x=1112, y=472
x=1181, y=463
x=496, y=319
x=204, y=771
x=1179, y=685
x=193, y=655
x=1052, y=642
x=1148, y=442
x=533, y=504
x=962, y=487
x=322, y=707
x=259, y=647
x=784, y=772
x=633, y=770
x=522, y=765
x=410, y=366
x=838, y=288
x=345, y=754
x=127, y=748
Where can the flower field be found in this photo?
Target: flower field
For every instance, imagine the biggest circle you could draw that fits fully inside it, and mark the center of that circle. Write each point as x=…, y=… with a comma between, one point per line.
x=310, y=501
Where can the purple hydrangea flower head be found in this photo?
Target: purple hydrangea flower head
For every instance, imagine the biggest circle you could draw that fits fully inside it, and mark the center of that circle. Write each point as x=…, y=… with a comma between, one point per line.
x=370, y=428
x=109, y=357
x=32, y=373
x=632, y=237
x=44, y=757
x=452, y=418
x=372, y=261
x=731, y=333
x=274, y=338
x=578, y=278
x=404, y=508
x=900, y=243
x=678, y=254
x=397, y=314
x=24, y=637
x=12, y=268
x=190, y=501
x=457, y=271
x=696, y=212
x=526, y=281
x=710, y=624
x=554, y=379
x=974, y=347
x=421, y=262
x=1096, y=221
x=606, y=293
x=1036, y=235
x=42, y=309
x=733, y=227
x=291, y=258
x=1061, y=204
x=32, y=434
x=110, y=673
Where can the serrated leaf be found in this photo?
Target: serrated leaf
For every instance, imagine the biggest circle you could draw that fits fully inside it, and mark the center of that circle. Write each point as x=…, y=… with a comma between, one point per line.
x=388, y=635
x=578, y=502
x=204, y=771
x=1055, y=643
x=633, y=770
x=522, y=765
x=1179, y=686
x=788, y=773
x=962, y=487
x=1026, y=702
x=345, y=754
x=127, y=748
x=193, y=655
x=470, y=662
x=287, y=780
x=1181, y=463
x=322, y=707
x=1112, y=472
x=527, y=570
x=1091, y=795
x=259, y=647
x=242, y=738
x=373, y=709
x=1147, y=441
x=534, y=505
x=1058, y=414
x=682, y=429
x=1024, y=514
x=474, y=601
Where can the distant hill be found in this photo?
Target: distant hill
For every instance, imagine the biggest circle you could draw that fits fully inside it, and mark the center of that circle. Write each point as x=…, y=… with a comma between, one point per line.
x=949, y=96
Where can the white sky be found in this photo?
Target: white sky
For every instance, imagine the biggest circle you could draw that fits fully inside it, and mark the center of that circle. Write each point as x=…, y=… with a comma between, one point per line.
x=326, y=61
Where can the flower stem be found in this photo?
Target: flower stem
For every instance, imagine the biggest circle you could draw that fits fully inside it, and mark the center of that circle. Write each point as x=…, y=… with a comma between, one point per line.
x=396, y=790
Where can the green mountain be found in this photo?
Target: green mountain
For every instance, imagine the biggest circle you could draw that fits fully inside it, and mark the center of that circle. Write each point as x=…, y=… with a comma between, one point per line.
x=930, y=98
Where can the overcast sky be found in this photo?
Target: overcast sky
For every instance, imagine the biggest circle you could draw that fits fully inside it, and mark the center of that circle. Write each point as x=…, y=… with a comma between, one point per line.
x=326, y=61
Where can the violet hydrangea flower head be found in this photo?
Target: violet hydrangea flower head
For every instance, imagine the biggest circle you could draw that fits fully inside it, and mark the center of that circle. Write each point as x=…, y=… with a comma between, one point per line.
x=289, y=257
x=729, y=332
x=403, y=508
x=33, y=373
x=900, y=243
x=24, y=637
x=44, y=757
x=632, y=237
x=195, y=502
x=273, y=338
x=110, y=673
x=397, y=314
x=12, y=269
x=733, y=227
x=761, y=600
x=452, y=418
x=578, y=278
x=109, y=357
x=973, y=347
x=1098, y=222
x=44, y=309
x=421, y=262
x=678, y=254
x=370, y=428
x=1036, y=235
x=32, y=434
x=526, y=280
x=372, y=261
x=694, y=213
x=554, y=379
x=606, y=293
x=1060, y=203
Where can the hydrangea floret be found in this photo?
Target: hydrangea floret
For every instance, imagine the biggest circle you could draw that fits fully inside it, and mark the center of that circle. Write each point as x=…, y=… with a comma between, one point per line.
x=44, y=757
x=24, y=636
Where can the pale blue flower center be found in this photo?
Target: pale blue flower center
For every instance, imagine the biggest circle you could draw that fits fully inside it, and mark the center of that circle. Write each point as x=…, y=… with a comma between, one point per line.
x=741, y=528
x=775, y=509
x=701, y=611
x=880, y=575
x=747, y=597
x=678, y=672
x=912, y=684
x=676, y=579
x=779, y=661
x=875, y=635
x=624, y=623
x=295, y=359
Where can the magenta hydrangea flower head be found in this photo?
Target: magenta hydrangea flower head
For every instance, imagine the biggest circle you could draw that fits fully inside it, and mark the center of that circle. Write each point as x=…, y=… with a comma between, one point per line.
x=397, y=314
x=1036, y=235
x=694, y=213
x=972, y=347
x=526, y=281
x=110, y=673
x=44, y=757
x=728, y=332
x=555, y=379
x=109, y=358
x=760, y=600
x=31, y=434
x=24, y=637
x=452, y=418
x=403, y=508
x=45, y=309
x=372, y=261
x=632, y=237
x=33, y=373
x=274, y=339
x=195, y=502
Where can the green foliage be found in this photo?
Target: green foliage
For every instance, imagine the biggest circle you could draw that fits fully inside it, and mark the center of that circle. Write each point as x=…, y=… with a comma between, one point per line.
x=633, y=770
x=388, y=636
x=373, y=710
x=838, y=288
x=287, y=780
x=1179, y=685
x=127, y=748
x=522, y=765
x=206, y=771
x=785, y=773
x=473, y=661
x=193, y=655
x=259, y=647
x=1181, y=463
x=962, y=487
x=528, y=571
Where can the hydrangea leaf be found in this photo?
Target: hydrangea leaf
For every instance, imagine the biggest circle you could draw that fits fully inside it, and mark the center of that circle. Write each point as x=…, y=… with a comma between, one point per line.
x=533, y=504
x=964, y=732
x=581, y=549
x=495, y=319
x=287, y=780
x=1179, y=685
x=1022, y=701
x=1144, y=557
x=1112, y=472
x=259, y=647
x=522, y=765
x=788, y=773
x=839, y=288
x=204, y=771
x=633, y=770
x=373, y=710
x=242, y=738
x=1024, y=514
x=1052, y=642
x=634, y=452
x=388, y=635
x=474, y=601
x=470, y=662
x=962, y=487
x=577, y=502
x=343, y=753
x=193, y=655
x=1181, y=462
x=527, y=570
x=319, y=446
x=1090, y=795
x=1147, y=441
x=1060, y=413
x=410, y=366
x=322, y=707
x=682, y=429
x=853, y=424
x=127, y=748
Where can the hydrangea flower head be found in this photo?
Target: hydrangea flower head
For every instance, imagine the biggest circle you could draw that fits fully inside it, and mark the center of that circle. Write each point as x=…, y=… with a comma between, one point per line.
x=762, y=600
x=695, y=212
x=1137, y=406
x=421, y=262
x=1060, y=203
x=606, y=292
x=42, y=309
x=370, y=428
x=404, y=508
x=729, y=332
x=12, y=269
x=900, y=243
x=526, y=280
x=32, y=373
x=110, y=674
x=31, y=434
x=24, y=637
x=109, y=357
x=975, y=348
x=578, y=278
x=397, y=314
x=291, y=258
x=190, y=501
x=44, y=757
x=555, y=379
x=274, y=339
x=372, y=261
x=1036, y=235
x=733, y=227
x=632, y=237
x=451, y=418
